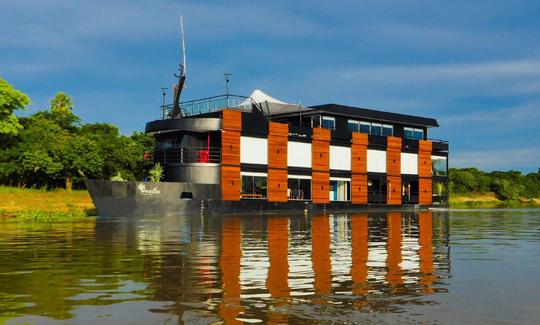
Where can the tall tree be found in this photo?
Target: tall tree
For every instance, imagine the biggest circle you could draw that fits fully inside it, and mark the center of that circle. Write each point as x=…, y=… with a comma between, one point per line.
x=11, y=99
x=61, y=111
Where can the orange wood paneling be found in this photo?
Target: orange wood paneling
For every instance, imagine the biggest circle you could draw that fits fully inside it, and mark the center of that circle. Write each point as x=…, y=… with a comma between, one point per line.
x=358, y=158
x=277, y=185
x=360, y=138
x=393, y=194
x=320, y=155
x=393, y=156
x=424, y=158
x=359, y=193
x=320, y=187
x=230, y=183
x=393, y=142
x=231, y=120
x=277, y=145
x=425, y=195
x=230, y=147
x=425, y=145
x=321, y=134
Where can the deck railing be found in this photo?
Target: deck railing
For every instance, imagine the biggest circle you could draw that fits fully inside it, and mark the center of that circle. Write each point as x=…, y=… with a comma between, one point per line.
x=209, y=105
x=188, y=155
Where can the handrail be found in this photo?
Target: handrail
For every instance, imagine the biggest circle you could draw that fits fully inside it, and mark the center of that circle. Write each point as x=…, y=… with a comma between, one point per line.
x=188, y=155
x=210, y=104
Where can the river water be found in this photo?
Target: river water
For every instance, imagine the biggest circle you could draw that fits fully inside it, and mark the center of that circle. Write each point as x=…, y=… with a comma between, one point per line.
x=461, y=266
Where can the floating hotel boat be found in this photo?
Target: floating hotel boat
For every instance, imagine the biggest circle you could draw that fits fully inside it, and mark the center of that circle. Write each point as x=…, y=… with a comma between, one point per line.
x=232, y=154
x=237, y=154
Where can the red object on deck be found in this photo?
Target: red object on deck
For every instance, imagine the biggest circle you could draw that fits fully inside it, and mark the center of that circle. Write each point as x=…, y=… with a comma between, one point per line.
x=204, y=156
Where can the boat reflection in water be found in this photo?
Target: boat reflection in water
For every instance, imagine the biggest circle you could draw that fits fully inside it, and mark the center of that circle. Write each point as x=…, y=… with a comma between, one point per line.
x=284, y=268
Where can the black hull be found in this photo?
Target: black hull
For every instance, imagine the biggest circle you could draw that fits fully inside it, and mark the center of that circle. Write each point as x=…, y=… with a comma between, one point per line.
x=127, y=199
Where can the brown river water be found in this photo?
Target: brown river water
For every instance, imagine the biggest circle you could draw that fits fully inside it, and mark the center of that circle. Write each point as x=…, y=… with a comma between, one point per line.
x=458, y=266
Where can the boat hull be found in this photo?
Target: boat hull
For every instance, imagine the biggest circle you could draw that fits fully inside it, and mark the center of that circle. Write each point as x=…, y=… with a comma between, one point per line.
x=128, y=199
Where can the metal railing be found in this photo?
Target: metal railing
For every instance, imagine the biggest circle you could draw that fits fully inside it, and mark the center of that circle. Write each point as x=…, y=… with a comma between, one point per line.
x=188, y=155
x=209, y=105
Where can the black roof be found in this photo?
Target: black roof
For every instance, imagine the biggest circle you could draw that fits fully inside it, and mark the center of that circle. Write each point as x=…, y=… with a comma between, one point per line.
x=375, y=115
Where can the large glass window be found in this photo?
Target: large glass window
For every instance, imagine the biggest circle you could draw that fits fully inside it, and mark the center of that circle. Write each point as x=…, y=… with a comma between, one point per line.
x=438, y=166
x=299, y=189
x=353, y=126
x=315, y=121
x=365, y=127
x=340, y=190
x=254, y=187
x=329, y=122
x=376, y=129
x=413, y=133
x=387, y=130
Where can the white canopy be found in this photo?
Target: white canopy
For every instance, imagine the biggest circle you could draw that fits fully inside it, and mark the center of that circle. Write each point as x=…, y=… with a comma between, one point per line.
x=270, y=105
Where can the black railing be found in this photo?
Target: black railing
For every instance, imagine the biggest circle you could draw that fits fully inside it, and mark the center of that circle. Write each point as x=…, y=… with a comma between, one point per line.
x=188, y=155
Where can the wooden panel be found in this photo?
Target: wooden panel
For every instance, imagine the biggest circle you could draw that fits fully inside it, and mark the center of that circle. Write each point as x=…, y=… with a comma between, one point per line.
x=425, y=188
x=393, y=191
x=359, y=193
x=230, y=183
x=320, y=187
x=393, y=142
x=358, y=158
x=277, y=145
x=320, y=155
x=393, y=161
x=425, y=145
x=360, y=138
x=230, y=147
x=321, y=134
x=424, y=164
x=231, y=120
x=277, y=185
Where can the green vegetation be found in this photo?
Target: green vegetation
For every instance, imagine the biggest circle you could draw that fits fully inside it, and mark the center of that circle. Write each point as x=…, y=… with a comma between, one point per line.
x=156, y=173
x=53, y=149
x=473, y=187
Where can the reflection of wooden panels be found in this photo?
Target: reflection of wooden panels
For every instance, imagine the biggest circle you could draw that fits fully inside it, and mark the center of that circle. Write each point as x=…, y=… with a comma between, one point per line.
x=230, y=183
x=277, y=185
x=320, y=187
x=424, y=158
x=359, y=193
x=231, y=120
x=393, y=194
x=425, y=188
x=277, y=145
x=320, y=150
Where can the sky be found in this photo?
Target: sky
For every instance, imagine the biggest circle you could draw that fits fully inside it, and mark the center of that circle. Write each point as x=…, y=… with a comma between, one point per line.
x=472, y=65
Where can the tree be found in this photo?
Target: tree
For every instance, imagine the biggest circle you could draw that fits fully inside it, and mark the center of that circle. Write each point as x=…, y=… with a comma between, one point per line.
x=61, y=112
x=80, y=158
x=10, y=100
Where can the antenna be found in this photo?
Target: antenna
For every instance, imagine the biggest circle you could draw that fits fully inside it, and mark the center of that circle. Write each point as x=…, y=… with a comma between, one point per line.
x=183, y=44
x=227, y=80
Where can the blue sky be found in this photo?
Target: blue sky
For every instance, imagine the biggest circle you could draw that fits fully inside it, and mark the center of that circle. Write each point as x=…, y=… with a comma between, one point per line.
x=473, y=65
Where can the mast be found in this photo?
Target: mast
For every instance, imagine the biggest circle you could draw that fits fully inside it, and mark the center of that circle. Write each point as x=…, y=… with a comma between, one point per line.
x=176, y=112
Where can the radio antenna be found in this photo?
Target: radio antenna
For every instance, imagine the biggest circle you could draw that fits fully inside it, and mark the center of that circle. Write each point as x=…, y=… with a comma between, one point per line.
x=177, y=112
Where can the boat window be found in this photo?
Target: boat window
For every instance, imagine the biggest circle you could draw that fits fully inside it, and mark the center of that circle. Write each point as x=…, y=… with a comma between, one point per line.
x=340, y=190
x=438, y=166
x=299, y=189
x=365, y=127
x=316, y=121
x=254, y=187
x=376, y=129
x=413, y=133
x=387, y=130
x=329, y=122
x=353, y=126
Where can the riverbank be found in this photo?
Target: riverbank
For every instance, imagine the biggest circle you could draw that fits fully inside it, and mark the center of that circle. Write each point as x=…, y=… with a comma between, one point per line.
x=18, y=204
x=489, y=200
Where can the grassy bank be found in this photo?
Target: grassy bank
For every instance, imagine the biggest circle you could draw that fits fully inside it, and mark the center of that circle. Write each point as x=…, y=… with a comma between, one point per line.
x=18, y=204
x=489, y=200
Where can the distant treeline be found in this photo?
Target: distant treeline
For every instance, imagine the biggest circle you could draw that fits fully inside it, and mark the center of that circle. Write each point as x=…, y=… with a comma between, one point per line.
x=505, y=185
x=52, y=148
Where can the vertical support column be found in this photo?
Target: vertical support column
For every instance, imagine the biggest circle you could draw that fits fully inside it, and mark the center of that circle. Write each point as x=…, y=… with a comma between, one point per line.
x=393, y=170
x=230, y=154
x=359, y=193
x=278, y=136
x=320, y=166
x=425, y=195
